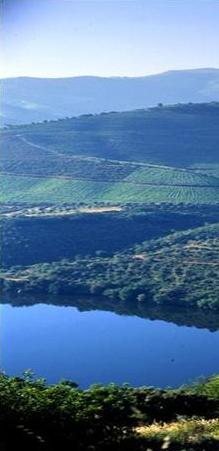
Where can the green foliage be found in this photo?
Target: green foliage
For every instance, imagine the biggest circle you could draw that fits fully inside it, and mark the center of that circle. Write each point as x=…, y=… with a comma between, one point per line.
x=180, y=269
x=62, y=416
x=209, y=387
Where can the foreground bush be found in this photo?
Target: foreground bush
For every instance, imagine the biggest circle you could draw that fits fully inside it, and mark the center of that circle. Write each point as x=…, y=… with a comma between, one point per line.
x=35, y=416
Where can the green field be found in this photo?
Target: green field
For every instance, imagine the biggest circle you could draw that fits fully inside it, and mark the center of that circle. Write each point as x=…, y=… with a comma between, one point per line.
x=172, y=176
x=59, y=190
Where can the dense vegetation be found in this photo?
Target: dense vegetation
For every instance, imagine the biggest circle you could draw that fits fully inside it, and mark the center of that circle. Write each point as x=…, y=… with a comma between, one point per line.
x=179, y=269
x=40, y=417
x=29, y=233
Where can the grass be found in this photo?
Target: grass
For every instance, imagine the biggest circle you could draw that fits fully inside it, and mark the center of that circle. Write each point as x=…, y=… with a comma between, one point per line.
x=186, y=432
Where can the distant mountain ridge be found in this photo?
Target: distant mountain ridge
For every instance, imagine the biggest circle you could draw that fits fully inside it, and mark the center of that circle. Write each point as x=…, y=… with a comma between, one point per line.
x=27, y=99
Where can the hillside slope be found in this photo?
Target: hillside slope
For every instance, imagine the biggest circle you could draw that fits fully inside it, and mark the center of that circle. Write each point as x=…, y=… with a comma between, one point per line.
x=181, y=269
x=28, y=233
x=163, y=154
x=180, y=135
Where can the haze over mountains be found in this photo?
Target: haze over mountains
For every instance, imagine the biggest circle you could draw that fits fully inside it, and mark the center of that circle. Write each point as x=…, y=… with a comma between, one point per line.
x=27, y=99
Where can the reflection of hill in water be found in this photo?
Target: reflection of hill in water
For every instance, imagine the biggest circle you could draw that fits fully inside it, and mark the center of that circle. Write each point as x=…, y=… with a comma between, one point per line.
x=201, y=319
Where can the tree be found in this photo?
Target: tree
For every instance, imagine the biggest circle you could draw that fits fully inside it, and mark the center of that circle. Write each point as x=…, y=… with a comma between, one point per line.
x=141, y=297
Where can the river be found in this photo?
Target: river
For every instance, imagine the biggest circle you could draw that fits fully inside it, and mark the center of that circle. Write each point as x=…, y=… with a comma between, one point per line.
x=102, y=346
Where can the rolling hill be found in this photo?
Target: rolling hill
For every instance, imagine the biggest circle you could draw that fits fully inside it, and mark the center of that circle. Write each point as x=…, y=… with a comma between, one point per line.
x=28, y=99
x=179, y=135
x=162, y=154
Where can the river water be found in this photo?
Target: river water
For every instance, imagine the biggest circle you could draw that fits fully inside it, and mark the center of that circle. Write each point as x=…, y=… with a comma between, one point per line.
x=96, y=346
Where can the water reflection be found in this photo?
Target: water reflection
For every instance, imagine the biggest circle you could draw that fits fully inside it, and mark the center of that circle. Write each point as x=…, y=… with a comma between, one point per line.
x=199, y=318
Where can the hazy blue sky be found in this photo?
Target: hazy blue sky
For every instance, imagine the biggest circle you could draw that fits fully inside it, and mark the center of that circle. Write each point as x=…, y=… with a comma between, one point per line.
x=52, y=38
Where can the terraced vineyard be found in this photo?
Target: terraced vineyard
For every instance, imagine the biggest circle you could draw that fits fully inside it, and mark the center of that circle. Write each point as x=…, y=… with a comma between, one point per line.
x=58, y=190
x=168, y=176
x=116, y=157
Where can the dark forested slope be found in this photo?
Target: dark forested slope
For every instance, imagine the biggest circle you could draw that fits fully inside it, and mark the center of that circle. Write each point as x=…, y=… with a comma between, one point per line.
x=29, y=233
x=180, y=269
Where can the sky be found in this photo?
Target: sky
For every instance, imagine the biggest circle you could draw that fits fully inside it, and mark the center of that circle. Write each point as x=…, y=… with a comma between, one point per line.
x=61, y=38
